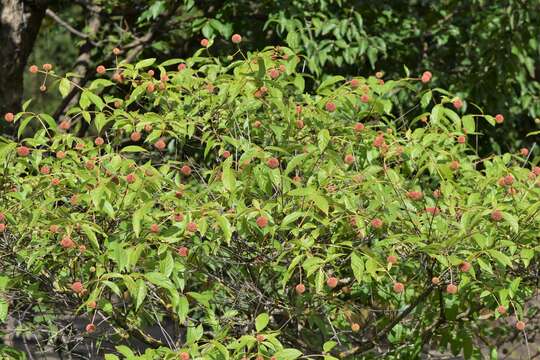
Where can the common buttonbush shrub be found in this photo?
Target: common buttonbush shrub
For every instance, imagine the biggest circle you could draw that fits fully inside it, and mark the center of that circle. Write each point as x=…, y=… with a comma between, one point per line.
x=245, y=218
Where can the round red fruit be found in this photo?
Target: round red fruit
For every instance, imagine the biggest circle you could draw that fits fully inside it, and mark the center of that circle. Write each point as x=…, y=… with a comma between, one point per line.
x=300, y=289
x=186, y=170
x=426, y=77
x=399, y=287
x=332, y=282
x=415, y=195
x=508, y=180
x=465, y=266
x=458, y=104
x=262, y=221
x=178, y=217
x=273, y=163
x=154, y=228
x=496, y=215
x=451, y=289
x=273, y=73
x=499, y=118
x=130, y=178
x=9, y=117
x=359, y=127
x=330, y=106
x=376, y=223
x=67, y=243
x=77, y=287
x=23, y=151
x=101, y=69
x=191, y=227
x=135, y=136
x=183, y=251
x=236, y=39
x=90, y=328
x=160, y=144
x=349, y=159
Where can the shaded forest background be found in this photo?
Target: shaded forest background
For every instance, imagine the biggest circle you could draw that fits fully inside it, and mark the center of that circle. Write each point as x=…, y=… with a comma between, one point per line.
x=487, y=52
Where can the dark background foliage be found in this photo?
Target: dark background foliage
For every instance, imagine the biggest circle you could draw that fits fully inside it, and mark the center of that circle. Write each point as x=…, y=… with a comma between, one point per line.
x=485, y=51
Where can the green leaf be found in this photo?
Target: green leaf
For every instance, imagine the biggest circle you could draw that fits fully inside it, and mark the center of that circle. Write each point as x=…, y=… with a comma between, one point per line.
x=23, y=124
x=91, y=235
x=229, y=180
x=124, y=350
x=166, y=265
x=323, y=139
x=329, y=82
x=144, y=63
x=436, y=114
x=292, y=217
x=49, y=120
x=262, y=68
x=115, y=289
x=133, y=148
x=357, y=265
x=3, y=310
x=426, y=98
x=288, y=354
x=490, y=119
x=500, y=257
x=320, y=201
x=141, y=293
x=26, y=104
x=100, y=121
x=194, y=333
x=329, y=345
x=138, y=216
x=512, y=221
x=225, y=227
x=94, y=99
x=64, y=87
x=262, y=321
x=183, y=308
x=469, y=123
x=299, y=83
x=159, y=279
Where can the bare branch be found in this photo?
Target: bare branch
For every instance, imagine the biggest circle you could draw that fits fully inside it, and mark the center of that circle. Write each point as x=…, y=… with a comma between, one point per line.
x=68, y=27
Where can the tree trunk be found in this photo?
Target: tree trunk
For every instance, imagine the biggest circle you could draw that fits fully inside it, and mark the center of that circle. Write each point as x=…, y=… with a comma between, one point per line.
x=19, y=25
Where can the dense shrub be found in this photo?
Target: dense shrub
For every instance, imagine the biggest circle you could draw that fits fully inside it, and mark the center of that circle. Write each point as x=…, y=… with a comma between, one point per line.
x=262, y=221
